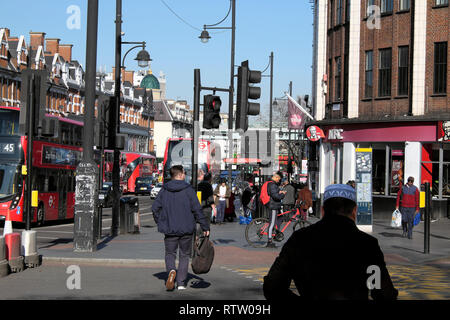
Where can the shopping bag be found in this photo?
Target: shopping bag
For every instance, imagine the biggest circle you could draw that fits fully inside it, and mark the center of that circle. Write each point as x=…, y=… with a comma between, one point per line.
x=203, y=256
x=396, y=219
x=417, y=219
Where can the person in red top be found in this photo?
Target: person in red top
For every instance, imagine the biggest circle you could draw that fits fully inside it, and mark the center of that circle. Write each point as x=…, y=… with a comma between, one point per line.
x=408, y=202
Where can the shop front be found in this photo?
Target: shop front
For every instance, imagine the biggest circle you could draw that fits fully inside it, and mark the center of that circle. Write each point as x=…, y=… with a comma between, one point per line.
x=399, y=150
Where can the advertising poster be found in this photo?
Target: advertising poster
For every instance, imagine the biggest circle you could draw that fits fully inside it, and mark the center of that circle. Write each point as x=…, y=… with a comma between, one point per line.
x=364, y=187
x=397, y=170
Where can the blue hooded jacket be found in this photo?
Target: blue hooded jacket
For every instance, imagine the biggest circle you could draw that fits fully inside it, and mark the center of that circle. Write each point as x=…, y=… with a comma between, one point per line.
x=176, y=209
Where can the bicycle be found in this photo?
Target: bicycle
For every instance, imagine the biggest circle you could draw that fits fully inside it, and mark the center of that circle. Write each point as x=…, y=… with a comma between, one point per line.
x=257, y=231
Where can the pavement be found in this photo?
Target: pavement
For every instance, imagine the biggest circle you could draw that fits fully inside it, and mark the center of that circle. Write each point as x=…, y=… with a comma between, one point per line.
x=148, y=245
x=131, y=266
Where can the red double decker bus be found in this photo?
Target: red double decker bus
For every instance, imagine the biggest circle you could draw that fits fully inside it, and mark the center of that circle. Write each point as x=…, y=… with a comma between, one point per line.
x=53, y=175
x=132, y=165
x=179, y=152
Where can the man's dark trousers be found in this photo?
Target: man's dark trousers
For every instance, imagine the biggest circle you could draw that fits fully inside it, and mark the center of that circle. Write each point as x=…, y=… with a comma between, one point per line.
x=408, y=215
x=221, y=210
x=185, y=244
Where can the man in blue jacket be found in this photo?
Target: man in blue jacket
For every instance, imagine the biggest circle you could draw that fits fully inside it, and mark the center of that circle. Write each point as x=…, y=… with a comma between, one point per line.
x=176, y=211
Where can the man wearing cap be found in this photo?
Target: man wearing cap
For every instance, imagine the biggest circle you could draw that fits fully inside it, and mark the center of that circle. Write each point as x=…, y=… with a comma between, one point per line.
x=408, y=201
x=341, y=262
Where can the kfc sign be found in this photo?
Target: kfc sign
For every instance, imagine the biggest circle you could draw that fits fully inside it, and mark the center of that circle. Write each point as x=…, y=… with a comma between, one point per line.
x=335, y=134
x=444, y=131
x=314, y=133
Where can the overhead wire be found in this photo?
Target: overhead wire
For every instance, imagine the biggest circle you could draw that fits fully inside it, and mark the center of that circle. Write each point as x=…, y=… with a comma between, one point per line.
x=190, y=25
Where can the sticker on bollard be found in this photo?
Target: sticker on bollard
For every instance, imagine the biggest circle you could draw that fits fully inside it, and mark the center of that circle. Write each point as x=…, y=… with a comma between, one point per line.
x=2, y=249
x=4, y=270
x=3, y=262
x=15, y=260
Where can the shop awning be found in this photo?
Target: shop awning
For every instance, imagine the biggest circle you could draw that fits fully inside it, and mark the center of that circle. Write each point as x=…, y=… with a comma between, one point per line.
x=242, y=160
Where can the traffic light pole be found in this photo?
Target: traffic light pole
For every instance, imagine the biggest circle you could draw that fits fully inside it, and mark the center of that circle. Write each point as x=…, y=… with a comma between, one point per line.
x=230, y=99
x=426, y=235
x=196, y=125
x=31, y=125
x=195, y=132
x=289, y=142
x=271, y=99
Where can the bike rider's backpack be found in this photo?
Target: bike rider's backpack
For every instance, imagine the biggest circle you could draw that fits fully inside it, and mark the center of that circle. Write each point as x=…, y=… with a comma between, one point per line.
x=264, y=197
x=203, y=256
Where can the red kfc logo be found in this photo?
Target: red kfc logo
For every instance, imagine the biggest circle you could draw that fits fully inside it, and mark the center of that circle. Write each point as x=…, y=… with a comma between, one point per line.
x=314, y=133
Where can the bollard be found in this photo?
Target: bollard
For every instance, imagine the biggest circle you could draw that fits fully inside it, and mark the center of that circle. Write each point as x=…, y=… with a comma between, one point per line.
x=15, y=260
x=133, y=207
x=426, y=234
x=7, y=228
x=29, y=249
x=3, y=262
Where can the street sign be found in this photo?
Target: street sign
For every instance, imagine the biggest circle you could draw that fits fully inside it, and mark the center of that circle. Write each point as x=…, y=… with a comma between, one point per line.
x=364, y=189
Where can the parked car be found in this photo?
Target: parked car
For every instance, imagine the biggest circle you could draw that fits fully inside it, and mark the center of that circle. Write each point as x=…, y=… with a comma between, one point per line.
x=156, y=190
x=143, y=185
x=105, y=196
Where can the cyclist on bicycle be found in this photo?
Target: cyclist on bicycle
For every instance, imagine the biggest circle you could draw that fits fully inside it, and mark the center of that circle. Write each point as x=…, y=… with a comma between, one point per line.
x=274, y=205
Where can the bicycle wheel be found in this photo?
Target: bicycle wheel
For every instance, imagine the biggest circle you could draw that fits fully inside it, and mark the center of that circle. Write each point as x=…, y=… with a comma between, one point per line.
x=299, y=224
x=257, y=232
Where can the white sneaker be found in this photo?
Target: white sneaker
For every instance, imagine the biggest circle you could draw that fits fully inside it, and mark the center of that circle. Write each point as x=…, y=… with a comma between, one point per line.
x=181, y=288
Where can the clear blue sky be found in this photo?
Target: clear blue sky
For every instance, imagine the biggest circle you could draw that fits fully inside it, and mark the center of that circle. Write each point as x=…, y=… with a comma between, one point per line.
x=262, y=26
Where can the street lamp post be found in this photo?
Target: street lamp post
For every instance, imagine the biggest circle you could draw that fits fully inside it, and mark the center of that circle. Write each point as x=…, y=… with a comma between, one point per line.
x=143, y=59
x=86, y=195
x=204, y=37
x=289, y=141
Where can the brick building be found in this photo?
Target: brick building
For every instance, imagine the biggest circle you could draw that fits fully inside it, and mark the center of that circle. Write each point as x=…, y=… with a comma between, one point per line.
x=381, y=81
x=65, y=96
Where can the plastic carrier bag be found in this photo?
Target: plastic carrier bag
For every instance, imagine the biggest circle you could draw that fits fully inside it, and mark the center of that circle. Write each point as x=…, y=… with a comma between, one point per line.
x=396, y=219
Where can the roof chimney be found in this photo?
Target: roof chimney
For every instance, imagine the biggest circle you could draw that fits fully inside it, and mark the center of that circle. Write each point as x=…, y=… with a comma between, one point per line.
x=129, y=76
x=52, y=45
x=65, y=51
x=36, y=40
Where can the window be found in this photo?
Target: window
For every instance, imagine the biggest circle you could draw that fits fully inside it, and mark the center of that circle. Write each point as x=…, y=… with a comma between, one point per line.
x=52, y=179
x=331, y=13
x=403, y=63
x=384, y=72
x=369, y=75
x=338, y=79
x=404, y=5
x=386, y=6
x=330, y=71
x=339, y=12
x=347, y=12
x=441, y=2
x=369, y=4
x=440, y=67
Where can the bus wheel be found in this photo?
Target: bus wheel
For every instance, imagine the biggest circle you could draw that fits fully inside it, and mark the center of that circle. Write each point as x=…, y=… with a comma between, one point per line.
x=40, y=216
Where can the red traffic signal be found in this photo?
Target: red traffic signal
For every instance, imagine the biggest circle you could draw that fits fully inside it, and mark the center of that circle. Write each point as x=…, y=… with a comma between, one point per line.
x=211, y=111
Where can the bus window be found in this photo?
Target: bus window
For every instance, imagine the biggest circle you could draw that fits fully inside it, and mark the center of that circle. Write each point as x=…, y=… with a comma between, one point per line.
x=78, y=139
x=42, y=183
x=52, y=187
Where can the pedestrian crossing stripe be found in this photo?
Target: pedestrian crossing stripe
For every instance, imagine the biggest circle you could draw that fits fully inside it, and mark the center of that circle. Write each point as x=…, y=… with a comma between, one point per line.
x=412, y=282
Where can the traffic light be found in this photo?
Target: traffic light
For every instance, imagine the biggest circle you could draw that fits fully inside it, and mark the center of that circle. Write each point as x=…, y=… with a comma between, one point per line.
x=33, y=100
x=211, y=111
x=101, y=125
x=245, y=91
